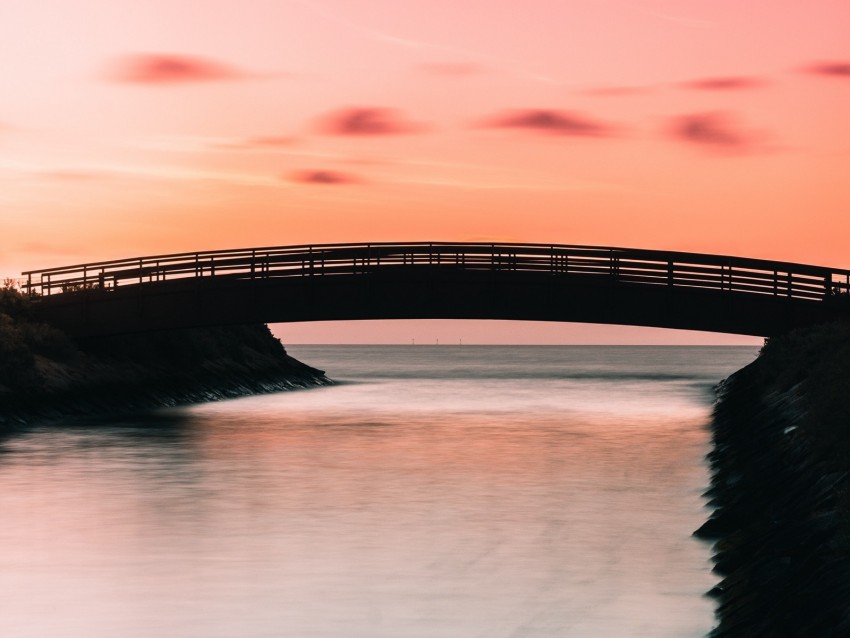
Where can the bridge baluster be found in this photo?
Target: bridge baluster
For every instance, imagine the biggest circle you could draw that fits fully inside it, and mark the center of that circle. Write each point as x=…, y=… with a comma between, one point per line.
x=697, y=272
x=614, y=265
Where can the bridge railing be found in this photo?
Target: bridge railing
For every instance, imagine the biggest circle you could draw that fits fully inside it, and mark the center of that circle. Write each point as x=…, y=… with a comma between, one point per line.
x=616, y=265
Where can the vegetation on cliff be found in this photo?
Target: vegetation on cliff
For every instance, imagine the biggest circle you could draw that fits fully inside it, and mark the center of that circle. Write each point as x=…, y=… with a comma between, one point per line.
x=24, y=341
x=44, y=373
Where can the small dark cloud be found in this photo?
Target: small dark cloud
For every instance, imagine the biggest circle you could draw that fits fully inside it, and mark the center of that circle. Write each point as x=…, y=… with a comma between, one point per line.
x=830, y=69
x=167, y=68
x=550, y=122
x=715, y=130
x=730, y=83
x=452, y=69
x=368, y=121
x=322, y=177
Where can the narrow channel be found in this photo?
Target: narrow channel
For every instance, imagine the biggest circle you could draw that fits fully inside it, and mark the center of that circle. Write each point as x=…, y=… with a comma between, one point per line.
x=436, y=491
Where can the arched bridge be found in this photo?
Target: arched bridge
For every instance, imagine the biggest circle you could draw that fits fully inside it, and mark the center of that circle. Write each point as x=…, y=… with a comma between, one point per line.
x=440, y=281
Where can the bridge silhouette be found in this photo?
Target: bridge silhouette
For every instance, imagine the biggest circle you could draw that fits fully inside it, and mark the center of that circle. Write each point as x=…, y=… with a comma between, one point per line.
x=439, y=280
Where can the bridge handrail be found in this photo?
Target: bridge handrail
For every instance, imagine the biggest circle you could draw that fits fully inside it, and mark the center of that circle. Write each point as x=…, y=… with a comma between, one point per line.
x=622, y=265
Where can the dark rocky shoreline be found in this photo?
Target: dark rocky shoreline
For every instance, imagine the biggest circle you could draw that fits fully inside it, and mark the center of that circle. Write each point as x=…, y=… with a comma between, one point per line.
x=144, y=372
x=780, y=488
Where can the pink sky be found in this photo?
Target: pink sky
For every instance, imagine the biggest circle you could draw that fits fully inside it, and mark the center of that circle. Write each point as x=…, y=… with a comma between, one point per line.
x=132, y=127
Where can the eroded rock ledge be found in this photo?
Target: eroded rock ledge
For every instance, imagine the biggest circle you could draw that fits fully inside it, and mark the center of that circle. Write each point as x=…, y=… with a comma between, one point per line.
x=47, y=376
x=781, y=490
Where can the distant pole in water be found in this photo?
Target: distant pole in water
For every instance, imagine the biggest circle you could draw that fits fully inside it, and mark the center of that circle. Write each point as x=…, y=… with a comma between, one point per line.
x=413, y=342
x=438, y=342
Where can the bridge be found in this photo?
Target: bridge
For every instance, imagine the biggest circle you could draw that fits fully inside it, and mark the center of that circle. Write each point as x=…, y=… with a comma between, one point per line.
x=439, y=280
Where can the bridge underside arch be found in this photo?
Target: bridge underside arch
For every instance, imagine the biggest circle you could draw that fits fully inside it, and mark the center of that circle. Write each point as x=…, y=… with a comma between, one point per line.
x=413, y=292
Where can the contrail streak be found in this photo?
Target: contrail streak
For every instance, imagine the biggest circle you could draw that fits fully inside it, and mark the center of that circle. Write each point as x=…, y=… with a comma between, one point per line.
x=511, y=65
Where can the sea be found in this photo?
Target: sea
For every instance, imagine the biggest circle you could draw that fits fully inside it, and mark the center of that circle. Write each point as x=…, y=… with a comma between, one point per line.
x=432, y=492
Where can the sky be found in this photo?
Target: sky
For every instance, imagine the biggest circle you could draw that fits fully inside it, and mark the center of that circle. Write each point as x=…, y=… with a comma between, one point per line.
x=135, y=127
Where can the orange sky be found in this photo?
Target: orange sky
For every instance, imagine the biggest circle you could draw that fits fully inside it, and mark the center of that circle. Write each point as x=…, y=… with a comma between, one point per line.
x=147, y=126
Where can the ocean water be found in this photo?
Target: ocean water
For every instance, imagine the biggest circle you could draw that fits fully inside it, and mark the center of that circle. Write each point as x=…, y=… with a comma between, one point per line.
x=436, y=491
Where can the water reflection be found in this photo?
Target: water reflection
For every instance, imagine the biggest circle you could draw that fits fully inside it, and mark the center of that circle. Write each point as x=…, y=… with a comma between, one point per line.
x=430, y=505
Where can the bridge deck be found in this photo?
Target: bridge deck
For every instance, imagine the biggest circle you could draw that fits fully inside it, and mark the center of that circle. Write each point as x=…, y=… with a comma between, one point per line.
x=624, y=265
x=440, y=280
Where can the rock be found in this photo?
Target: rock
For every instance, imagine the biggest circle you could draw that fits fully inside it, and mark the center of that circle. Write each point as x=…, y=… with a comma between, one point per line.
x=780, y=487
x=140, y=372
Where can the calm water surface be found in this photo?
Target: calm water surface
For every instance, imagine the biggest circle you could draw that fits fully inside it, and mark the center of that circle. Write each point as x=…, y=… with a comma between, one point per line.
x=436, y=492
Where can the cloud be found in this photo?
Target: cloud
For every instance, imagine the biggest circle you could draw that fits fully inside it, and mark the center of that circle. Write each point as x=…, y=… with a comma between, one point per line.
x=715, y=130
x=325, y=177
x=168, y=68
x=550, y=122
x=367, y=121
x=830, y=69
x=452, y=69
x=729, y=83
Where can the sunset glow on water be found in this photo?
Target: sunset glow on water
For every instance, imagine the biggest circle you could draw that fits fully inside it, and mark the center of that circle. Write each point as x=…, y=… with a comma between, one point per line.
x=448, y=491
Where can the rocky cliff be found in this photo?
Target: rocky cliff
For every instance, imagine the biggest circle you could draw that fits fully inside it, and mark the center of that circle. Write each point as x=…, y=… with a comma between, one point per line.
x=44, y=374
x=781, y=490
